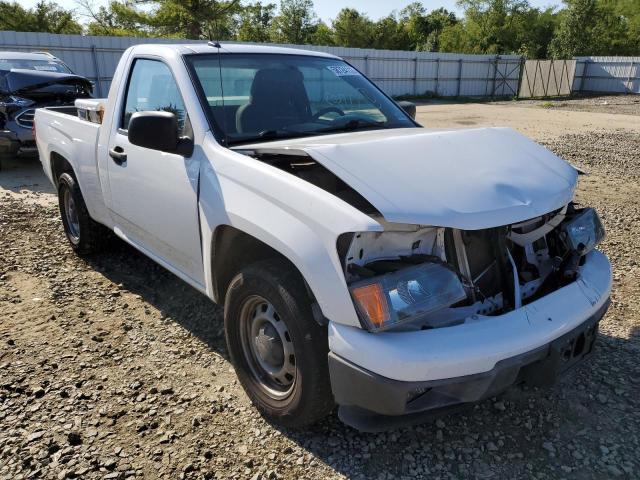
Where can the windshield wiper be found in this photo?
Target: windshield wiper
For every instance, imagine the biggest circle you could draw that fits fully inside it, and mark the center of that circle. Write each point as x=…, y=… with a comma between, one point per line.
x=268, y=135
x=353, y=125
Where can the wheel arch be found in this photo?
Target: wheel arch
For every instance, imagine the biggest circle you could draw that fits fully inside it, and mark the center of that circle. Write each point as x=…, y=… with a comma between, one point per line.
x=59, y=165
x=231, y=250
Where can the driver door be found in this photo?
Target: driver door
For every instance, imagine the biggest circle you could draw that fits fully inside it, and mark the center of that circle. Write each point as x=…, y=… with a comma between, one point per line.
x=154, y=199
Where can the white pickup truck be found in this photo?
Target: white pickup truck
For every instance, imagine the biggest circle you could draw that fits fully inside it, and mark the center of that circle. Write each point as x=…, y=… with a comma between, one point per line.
x=361, y=259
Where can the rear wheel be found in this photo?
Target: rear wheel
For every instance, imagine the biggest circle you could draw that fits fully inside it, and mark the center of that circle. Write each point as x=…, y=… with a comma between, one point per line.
x=84, y=234
x=278, y=349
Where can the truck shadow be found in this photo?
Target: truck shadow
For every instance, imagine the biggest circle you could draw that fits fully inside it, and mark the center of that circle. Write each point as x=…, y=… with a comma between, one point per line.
x=173, y=298
x=514, y=436
x=18, y=174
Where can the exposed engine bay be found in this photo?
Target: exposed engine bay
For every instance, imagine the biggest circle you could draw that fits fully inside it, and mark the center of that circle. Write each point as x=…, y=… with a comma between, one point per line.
x=412, y=277
x=500, y=269
x=301, y=165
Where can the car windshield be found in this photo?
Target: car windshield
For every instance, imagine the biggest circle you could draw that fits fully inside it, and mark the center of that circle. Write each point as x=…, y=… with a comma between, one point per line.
x=259, y=97
x=40, y=65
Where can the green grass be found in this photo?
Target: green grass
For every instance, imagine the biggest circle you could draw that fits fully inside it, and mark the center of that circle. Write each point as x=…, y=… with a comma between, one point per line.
x=546, y=105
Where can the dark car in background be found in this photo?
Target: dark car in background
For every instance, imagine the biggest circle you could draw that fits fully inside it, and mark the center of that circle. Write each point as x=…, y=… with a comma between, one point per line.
x=29, y=81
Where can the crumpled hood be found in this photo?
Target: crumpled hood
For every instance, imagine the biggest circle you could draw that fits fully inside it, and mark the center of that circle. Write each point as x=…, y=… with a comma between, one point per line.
x=467, y=179
x=23, y=80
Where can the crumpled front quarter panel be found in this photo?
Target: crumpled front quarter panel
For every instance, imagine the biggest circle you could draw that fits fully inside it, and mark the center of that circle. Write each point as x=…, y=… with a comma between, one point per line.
x=297, y=219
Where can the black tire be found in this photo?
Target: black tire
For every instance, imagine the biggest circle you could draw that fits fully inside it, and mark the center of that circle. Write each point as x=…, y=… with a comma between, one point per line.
x=86, y=236
x=310, y=397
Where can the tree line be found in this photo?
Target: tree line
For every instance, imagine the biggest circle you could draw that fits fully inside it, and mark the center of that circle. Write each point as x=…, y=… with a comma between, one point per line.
x=579, y=27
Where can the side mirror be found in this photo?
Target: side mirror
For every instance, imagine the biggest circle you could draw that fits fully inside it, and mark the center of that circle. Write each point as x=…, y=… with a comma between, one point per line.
x=409, y=108
x=158, y=130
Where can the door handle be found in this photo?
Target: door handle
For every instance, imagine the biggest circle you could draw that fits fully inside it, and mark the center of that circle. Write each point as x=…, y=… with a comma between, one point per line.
x=118, y=155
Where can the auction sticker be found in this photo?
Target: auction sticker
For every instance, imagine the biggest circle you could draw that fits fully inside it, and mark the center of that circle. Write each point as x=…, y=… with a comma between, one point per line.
x=343, y=70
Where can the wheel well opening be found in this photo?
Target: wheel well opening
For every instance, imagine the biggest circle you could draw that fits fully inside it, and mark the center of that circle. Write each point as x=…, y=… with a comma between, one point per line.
x=59, y=165
x=232, y=250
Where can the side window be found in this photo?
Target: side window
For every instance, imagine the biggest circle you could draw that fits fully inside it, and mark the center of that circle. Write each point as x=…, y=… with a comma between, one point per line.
x=152, y=87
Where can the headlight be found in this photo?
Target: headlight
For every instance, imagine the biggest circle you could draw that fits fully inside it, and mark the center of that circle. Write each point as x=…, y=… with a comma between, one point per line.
x=406, y=295
x=583, y=232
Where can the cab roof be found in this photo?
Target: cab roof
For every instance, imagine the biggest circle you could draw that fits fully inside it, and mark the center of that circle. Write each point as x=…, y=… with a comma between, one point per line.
x=196, y=48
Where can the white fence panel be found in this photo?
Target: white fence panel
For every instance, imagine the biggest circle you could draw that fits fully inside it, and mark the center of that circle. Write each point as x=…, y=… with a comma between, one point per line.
x=396, y=72
x=608, y=74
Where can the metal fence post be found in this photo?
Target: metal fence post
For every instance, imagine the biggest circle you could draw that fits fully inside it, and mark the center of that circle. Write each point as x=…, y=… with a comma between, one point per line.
x=585, y=68
x=495, y=75
x=96, y=70
x=366, y=65
x=523, y=62
x=459, y=77
x=437, y=74
x=629, y=84
x=415, y=75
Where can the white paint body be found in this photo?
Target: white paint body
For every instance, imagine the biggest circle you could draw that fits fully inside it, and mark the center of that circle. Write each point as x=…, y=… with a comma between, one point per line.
x=169, y=207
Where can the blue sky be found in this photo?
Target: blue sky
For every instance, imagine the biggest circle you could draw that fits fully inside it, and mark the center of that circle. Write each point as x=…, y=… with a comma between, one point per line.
x=327, y=9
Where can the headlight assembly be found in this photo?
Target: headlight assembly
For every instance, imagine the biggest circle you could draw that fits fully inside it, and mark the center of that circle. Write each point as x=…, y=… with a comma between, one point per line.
x=409, y=294
x=583, y=232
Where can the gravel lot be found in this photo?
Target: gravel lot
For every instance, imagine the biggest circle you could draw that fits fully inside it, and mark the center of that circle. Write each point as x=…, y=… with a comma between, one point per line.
x=110, y=367
x=616, y=104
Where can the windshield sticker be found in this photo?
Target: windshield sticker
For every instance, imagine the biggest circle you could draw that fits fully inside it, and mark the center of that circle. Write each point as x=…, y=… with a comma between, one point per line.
x=45, y=68
x=343, y=70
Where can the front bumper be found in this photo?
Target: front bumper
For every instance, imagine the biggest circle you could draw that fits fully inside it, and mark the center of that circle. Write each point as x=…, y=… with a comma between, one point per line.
x=385, y=376
x=9, y=143
x=370, y=402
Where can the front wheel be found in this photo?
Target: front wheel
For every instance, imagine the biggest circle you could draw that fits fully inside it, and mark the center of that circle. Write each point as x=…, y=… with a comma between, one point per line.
x=278, y=349
x=84, y=234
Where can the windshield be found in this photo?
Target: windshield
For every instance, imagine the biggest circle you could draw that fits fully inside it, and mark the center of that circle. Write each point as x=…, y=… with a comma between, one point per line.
x=270, y=96
x=41, y=65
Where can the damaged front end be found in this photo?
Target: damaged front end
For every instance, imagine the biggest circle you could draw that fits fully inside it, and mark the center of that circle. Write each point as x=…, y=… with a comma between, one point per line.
x=417, y=278
x=451, y=317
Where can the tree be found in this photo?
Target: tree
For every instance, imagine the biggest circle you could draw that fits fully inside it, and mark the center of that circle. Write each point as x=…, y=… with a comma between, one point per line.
x=630, y=12
x=195, y=19
x=617, y=28
x=44, y=17
x=388, y=33
x=500, y=27
x=296, y=22
x=423, y=29
x=352, y=29
x=323, y=35
x=436, y=22
x=574, y=35
x=117, y=19
x=255, y=22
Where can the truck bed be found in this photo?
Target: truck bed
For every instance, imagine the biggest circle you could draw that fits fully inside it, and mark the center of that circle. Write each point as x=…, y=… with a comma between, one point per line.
x=59, y=128
x=66, y=110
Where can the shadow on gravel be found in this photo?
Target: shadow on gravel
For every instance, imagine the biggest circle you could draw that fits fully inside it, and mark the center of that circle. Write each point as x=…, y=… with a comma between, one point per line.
x=173, y=298
x=24, y=173
x=510, y=436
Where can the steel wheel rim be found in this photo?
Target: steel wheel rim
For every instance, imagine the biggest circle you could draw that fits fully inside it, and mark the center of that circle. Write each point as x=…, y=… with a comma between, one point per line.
x=71, y=214
x=267, y=348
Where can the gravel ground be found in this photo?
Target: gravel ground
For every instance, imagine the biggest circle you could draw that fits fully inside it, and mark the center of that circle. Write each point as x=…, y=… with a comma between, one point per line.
x=110, y=367
x=618, y=104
